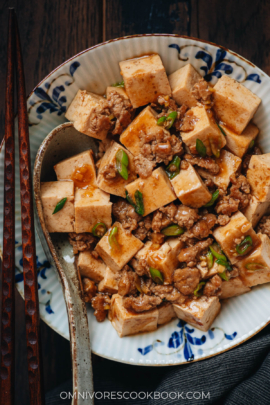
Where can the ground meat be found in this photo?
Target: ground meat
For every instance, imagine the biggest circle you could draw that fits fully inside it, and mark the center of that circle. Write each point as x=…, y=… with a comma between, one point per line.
x=109, y=171
x=167, y=103
x=209, y=183
x=141, y=303
x=203, y=92
x=212, y=287
x=245, y=163
x=100, y=120
x=102, y=147
x=202, y=228
x=168, y=293
x=188, y=122
x=227, y=206
x=89, y=289
x=163, y=217
x=264, y=225
x=189, y=254
x=121, y=109
x=81, y=241
x=126, y=214
x=143, y=166
x=127, y=283
x=186, y=280
x=223, y=220
x=240, y=190
x=157, y=238
x=207, y=163
x=101, y=304
x=180, y=115
x=144, y=228
x=140, y=266
x=186, y=216
x=95, y=254
x=234, y=272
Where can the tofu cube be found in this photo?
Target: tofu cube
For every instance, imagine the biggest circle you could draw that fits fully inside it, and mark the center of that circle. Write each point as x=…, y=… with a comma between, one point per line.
x=127, y=322
x=91, y=267
x=116, y=258
x=215, y=269
x=82, y=111
x=91, y=207
x=145, y=79
x=79, y=168
x=109, y=284
x=200, y=312
x=182, y=82
x=234, y=104
x=52, y=192
x=165, y=313
x=255, y=210
x=260, y=258
x=146, y=121
x=205, y=129
x=239, y=144
x=233, y=288
x=119, y=90
x=258, y=175
x=156, y=190
x=229, y=164
x=228, y=236
x=117, y=184
x=190, y=189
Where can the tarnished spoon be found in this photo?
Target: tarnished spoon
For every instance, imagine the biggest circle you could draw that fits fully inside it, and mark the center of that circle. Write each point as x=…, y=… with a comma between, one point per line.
x=63, y=142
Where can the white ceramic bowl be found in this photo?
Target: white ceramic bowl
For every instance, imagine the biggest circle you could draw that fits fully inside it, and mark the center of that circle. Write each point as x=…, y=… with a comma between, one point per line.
x=93, y=70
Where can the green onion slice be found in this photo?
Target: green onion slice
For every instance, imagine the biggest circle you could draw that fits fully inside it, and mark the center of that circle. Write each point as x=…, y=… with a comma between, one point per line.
x=138, y=206
x=122, y=163
x=176, y=163
x=59, y=205
x=172, y=230
x=156, y=275
x=255, y=266
x=198, y=290
x=99, y=230
x=222, y=130
x=213, y=199
x=119, y=84
x=243, y=247
x=224, y=263
x=223, y=275
x=200, y=147
x=171, y=118
x=215, y=146
x=161, y=120
x=217, y=252
x=251, y=144
x=113, y=242
x=210, y=260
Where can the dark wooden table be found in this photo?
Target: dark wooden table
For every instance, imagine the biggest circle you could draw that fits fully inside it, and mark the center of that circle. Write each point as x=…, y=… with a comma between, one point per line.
x=53, y=31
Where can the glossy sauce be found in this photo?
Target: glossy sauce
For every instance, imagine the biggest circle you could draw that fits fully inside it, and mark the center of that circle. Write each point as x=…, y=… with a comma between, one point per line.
x=83, y=176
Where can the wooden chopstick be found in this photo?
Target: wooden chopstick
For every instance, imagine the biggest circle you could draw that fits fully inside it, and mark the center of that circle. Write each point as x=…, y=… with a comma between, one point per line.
x=8, y=263
x=35, y=373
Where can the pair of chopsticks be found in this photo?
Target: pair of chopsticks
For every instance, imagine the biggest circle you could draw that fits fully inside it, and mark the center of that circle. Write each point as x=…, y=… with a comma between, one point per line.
x=14, y=57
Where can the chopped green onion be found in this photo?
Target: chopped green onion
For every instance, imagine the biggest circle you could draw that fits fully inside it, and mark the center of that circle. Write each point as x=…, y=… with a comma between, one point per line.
x=223, y=275
x=172, y=230
x=215, y=147
x=139, y=202
x=222, y=130
x=171, y=118
x=122, y=163
x=161, y=120
x=129, y=199
x=156, y=275
x=255, y=266
x=243, y=247
x=200, y=147
x=217, y=252
x=99, y=229
x=113, y=242
x=251, y=144
x=59, y=205
x=224, y=263
x=213, y=199
x=197, y=292
x=210, y=260
x=176, y=163
x=119, y=84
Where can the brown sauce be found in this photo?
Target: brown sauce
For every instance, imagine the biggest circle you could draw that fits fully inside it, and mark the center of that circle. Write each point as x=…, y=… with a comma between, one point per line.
x=83, y=176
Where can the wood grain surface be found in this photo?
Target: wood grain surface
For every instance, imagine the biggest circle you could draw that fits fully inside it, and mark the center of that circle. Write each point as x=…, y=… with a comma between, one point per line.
x=52, y=31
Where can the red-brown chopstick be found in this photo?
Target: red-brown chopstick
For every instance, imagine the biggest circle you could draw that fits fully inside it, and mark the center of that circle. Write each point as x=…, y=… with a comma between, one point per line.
x=35, y=374
x=8, y=264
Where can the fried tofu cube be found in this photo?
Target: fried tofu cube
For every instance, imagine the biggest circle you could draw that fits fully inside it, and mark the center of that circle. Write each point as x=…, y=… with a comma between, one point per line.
x=119, y=90
x=116, y=257
x=165, y=313
x=200, y=312
x=83, y=110
x=91, y=207
x=109, y=284
x=258, y=176
x=182, y=82
x=228, y=164
x=190, y=189
x=206, y=130
x=115, y=185
x=233, y=288
x=79, y=168
x=156, y=190
x=230, y=235
x=255, y=210
x=146, y=122
x=145, y=79
x=127, y=322
x=234, y=104
x=52, y=192
x=91, y=267
x=239, y=144
x=255, y=268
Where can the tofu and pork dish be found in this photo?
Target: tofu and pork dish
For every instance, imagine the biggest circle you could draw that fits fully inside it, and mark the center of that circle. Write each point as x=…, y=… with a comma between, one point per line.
x=169, y=217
